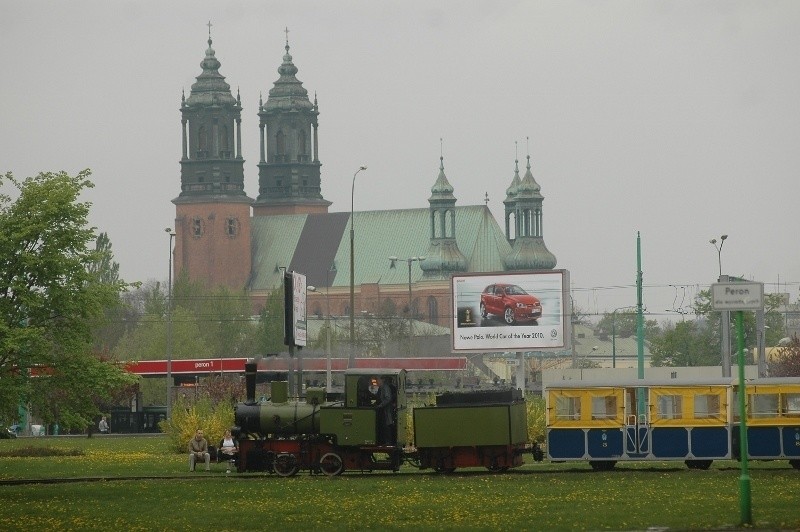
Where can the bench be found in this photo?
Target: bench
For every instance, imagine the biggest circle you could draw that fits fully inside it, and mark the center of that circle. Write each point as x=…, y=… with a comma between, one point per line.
x=218, y=457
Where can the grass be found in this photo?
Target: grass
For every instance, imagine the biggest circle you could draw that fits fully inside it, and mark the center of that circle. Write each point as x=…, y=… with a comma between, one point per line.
x=535, y=497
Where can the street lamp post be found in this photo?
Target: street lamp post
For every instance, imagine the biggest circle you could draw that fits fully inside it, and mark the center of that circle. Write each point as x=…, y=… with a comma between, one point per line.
x=351, y=362
x=393, y=261
x=725, y=316
x=328, y=379
x=171, y=233
x=713, y=242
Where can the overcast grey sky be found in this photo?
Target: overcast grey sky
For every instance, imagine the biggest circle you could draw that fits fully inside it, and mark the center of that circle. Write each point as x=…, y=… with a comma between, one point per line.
x=677, y=119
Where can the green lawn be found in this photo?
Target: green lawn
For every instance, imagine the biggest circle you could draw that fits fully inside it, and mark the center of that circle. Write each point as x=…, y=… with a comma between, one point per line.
x=534, y=497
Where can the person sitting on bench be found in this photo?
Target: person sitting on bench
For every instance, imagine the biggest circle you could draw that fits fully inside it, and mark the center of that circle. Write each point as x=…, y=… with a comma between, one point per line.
x=198, y=450
x=228, y=449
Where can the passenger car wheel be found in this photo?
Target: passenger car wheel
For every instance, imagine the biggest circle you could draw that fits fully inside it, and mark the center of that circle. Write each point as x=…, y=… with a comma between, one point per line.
x=508, y=315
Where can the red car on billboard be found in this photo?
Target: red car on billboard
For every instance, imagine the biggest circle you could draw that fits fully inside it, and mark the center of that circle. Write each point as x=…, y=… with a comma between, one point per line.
x=511, y=302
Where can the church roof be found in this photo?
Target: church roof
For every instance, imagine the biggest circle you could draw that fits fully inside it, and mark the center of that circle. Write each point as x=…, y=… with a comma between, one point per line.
x=288, y=92
x=210, y=87
x=312, y=243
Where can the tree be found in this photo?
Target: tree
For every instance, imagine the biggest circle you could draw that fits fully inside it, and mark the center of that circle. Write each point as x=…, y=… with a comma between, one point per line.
x=51, y=299
x=623, y=325
x=686, y=343
x=787, y=361
x=118, y=315
x=269, y=335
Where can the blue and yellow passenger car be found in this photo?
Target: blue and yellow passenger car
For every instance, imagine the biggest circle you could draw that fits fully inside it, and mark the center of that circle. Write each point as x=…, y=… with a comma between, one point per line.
x=696, y=422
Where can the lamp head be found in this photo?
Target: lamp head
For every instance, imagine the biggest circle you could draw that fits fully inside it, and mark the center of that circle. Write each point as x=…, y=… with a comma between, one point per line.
x=713, y=241
x=362, y=168
x=392, y=261
x=723, y=237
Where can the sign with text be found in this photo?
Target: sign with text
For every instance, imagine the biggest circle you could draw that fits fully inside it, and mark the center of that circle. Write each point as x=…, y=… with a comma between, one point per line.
x=294, y=293
x=511, y=311
x=737, y=296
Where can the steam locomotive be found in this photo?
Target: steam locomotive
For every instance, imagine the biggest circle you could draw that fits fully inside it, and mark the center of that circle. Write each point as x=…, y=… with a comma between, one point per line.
x=464, y=429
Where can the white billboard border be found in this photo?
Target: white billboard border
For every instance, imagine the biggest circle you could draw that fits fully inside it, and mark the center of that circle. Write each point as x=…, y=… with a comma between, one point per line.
x=566, y=299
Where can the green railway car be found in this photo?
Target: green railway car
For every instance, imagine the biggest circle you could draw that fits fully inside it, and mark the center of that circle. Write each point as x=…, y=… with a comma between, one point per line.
x=472, y=429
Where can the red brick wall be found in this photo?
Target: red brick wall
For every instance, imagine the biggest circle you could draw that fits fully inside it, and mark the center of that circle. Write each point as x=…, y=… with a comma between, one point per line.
x=204, y=248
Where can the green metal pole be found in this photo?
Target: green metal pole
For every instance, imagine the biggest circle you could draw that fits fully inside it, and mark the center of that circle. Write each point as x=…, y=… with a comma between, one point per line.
x=639, y=326
x=744, y=478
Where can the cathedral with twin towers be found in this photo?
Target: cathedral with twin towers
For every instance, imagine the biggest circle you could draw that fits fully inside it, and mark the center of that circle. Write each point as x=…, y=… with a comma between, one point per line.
x=225, y=237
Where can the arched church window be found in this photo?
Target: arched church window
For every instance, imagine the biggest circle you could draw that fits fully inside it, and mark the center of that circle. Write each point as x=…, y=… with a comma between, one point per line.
x=202, y=141
x=197, y=227
x=224, y=149
x=449, y=230
x=301, y=143
x=280, y=143
x=232, y=227
x=511, y=225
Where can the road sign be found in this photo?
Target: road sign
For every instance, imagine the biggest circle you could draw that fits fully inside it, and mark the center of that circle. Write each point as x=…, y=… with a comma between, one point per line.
x=737, y=296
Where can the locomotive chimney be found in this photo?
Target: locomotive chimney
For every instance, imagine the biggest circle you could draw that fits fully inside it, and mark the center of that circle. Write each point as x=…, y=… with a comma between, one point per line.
x=250, y=372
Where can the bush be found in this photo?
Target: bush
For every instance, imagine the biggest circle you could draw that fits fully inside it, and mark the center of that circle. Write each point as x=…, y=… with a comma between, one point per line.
x=214, y=420
x=537, y=418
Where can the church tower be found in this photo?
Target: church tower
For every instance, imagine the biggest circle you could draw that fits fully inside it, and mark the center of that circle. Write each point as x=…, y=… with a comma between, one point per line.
x=524, y=204
x=212, y=218
x=443, y=257
x=289, y=167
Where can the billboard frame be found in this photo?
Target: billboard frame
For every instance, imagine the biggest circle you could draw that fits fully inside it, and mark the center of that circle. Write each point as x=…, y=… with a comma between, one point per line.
x=471, y=332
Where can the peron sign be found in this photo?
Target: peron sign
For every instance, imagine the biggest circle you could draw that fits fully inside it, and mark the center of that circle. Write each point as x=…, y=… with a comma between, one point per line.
x=737, y=296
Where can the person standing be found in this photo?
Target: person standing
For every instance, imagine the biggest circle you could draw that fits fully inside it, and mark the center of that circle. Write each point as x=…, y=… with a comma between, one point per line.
x=198, y=450
x=385, y=411
x=103, y=425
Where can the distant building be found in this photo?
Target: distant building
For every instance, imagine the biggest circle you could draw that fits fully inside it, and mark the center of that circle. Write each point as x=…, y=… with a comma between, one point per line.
x=226, y=238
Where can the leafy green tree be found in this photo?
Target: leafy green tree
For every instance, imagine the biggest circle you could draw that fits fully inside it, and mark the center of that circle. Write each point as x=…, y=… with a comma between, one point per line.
x=118, y=315
x=687, y=343
x=149, y=340
x=698, y=342
x=269, y=335
x=623, y=324
x=51, y=300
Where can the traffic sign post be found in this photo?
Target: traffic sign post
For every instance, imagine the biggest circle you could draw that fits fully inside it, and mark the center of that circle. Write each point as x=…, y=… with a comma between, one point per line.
x=740, y=297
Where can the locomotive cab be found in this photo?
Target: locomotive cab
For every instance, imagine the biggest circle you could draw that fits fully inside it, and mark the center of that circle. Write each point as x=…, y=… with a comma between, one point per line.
x=360, y=421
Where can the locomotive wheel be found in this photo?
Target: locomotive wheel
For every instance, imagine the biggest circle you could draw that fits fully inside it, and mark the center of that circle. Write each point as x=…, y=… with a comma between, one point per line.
x=446, y=470
x=698, y=464
x=508, y=315
x=285, y=465
x=331, y=464
x=795, y=463
x=497, y=469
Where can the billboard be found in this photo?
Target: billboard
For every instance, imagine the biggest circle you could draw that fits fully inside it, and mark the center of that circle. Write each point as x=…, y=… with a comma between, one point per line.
x=294, y=294
x=511, y=311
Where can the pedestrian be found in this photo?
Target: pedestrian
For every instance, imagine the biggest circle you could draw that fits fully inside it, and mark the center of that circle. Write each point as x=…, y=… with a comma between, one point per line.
x=103, y=425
